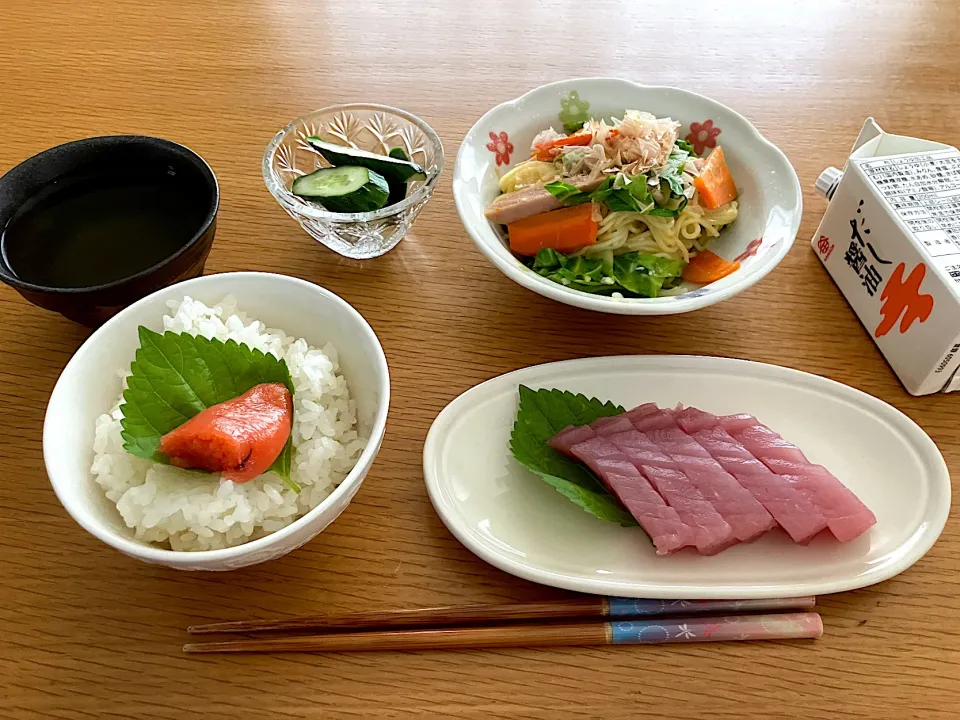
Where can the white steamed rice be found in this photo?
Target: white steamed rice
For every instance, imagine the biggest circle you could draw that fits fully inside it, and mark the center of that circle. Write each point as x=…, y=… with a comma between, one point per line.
x=186, y=511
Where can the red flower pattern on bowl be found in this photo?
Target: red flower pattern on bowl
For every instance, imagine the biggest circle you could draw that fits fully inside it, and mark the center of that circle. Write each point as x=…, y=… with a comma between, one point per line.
x=702, y=136
x=501, y=146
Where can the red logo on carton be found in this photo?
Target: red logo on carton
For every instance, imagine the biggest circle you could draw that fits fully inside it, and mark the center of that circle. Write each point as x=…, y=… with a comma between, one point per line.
x=904, y=298
x=825, y=247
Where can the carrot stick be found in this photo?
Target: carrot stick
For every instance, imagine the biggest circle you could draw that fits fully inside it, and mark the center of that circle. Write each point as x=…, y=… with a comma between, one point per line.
x=715, y=182
x=706, y=267
x=546, y=151
x=563, y=230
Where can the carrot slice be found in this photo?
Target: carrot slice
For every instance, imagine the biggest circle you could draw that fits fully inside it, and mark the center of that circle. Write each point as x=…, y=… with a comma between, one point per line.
x=715, y=182
x=563, y=230
x=547, y=151
x=706, y=267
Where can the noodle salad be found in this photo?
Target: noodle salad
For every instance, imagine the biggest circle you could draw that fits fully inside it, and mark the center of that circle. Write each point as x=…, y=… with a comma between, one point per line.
x=624, y=209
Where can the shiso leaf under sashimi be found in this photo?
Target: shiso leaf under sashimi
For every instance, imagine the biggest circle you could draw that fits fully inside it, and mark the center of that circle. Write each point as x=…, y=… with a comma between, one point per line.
x=541, y=415
x=560, y=408
x=176, y=376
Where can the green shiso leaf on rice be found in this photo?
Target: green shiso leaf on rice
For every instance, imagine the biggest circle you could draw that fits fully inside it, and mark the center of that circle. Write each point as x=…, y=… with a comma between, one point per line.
x=176, y=376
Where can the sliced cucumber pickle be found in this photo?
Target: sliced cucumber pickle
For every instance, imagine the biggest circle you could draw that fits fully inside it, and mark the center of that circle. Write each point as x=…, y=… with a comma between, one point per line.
x=348, y=188
x=391, y=168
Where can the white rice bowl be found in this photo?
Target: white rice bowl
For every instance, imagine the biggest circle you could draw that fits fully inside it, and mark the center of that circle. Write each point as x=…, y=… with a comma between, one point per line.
x=190, y=512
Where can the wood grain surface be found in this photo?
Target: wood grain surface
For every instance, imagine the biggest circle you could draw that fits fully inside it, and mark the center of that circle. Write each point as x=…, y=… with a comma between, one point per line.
x=88, y=633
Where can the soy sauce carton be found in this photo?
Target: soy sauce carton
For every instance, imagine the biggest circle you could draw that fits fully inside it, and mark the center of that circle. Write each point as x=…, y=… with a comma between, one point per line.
x=890, y=240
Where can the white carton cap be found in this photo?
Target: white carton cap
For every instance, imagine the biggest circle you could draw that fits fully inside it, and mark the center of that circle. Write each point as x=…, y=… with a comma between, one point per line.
x=828, y=181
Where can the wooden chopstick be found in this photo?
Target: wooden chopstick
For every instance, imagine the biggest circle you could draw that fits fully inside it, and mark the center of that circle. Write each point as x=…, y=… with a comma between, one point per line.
x=455, y=615
x=654, y=631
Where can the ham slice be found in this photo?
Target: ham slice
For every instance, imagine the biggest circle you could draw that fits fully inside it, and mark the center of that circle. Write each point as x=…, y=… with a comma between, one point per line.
x=661, y=522
x=795, y=513
x=736, y=505
x=711, y=532
x=847, y=517
x=513, y=206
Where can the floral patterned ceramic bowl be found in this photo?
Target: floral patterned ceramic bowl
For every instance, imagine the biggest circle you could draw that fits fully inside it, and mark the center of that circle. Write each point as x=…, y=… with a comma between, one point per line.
x=770, y=198
x=374, y=128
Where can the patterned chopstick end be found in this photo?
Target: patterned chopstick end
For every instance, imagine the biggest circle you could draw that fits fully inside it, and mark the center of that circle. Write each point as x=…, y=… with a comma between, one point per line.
x=782, y=626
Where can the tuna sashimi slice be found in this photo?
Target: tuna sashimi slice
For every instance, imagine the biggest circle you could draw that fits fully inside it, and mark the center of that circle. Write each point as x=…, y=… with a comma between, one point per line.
x=600, y=422
x=774, y=445
x=711, y=532
x=614, y=425
x=691, y=420
x=796, y=514
x=570, y=436
x=642, y=411
x=748, y=518
x=847, y=517
x=657, y=420
x=573, y=434
x=661, y=522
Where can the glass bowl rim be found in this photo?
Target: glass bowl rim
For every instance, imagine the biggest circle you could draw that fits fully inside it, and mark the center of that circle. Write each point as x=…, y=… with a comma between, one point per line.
x=297, y=206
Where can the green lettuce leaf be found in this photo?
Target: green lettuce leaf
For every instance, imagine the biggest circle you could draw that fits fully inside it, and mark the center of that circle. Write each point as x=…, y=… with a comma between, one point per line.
x=548, y=259
x=655, y=265
x=687, y=147
x=640, y=191
x=566, y=193
x=676, y=206
x=618, y=192
x=176, y=376
x=632, y=274
x=540, y=416
x=579, y=273
x=673, y=169
x=621, y=193
x=663, y=212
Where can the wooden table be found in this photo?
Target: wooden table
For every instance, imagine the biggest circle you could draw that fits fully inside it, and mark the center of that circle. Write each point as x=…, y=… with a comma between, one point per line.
x=88, y=633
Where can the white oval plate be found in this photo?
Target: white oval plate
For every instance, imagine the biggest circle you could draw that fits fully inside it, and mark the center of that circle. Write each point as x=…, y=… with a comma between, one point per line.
x=517, y=523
